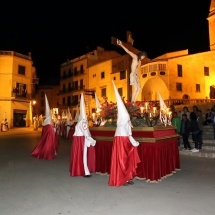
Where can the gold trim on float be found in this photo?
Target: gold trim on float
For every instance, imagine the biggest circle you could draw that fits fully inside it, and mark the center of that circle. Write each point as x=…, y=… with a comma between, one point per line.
x=156, y=128
x=141, y=140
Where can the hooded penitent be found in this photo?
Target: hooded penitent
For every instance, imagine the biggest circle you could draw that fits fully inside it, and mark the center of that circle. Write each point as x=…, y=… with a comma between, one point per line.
x=123, y=119
x=163, y=106
x=48, y=119
x=68, y=114
x=76, y=115
x=82, y=129
x=97, y=102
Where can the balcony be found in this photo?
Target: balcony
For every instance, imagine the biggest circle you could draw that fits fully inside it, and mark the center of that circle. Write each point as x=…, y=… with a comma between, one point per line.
x=72, y=89
x=71, y=104
x=75, y=73
x=27, y=96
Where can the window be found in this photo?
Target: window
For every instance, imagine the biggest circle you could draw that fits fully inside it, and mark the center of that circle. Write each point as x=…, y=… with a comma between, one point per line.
x=153, y=67
x=64, y=88
x=21, y=90
x=21, y=70
x=179, y=70
x=42, y=102
x=75, y=85
x=63, y=101
x=42, y=94
x=120, y=91
x=114, y=78
x=69, y=86
x=197, y=87
x=144, y=69
x=102, y=74
x=81, y=84
x=162, y=66
x=179, y=86
x=75, y=71
x=70, y=73
x=64, y=74
x=75, y=100
x=68, y=100
x=103, y=92
x=206, y=71
x=122, y=74
x=82, y=69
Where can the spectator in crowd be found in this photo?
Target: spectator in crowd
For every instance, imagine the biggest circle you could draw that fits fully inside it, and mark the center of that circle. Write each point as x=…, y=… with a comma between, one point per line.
x=185, y=111
x=212, y=116
x=194, y=129
x=195, y=111
x=176, y=121
x=207, y=117
x=185, y=131
x=200, y=121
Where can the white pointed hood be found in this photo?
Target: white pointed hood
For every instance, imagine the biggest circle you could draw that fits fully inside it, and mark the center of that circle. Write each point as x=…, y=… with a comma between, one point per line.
x=48, y=119
x=97, y=102
x=68, y=114
x=162, y=104
x=82, y=109
x=123, y=120
x=123, y=116
x=76, y=115
x=63, y=115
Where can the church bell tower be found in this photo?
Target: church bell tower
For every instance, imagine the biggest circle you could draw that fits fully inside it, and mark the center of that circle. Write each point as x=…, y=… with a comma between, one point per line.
x=211, y=24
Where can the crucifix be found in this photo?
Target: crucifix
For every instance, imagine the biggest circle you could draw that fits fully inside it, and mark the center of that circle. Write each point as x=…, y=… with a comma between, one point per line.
x=136, y=56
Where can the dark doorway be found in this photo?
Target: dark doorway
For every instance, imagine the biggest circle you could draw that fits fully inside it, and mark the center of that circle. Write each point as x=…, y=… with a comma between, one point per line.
x=19, y=118
x=185, y=96
x=212, y=92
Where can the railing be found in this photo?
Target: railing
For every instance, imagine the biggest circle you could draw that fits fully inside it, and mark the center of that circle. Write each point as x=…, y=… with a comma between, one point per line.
x=71, y=104
x=68, y=90
x=81, y=72
x=175, y=102
x=27, y=96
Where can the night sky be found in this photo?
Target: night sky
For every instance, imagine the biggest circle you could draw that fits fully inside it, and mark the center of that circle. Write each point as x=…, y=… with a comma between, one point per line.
x=53, y=32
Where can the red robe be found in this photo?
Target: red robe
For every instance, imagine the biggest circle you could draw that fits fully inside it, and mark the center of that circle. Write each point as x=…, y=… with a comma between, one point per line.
x=71, y=132
x=124, y=161
x=57, y=144
x=45, y=149
x=76, y=158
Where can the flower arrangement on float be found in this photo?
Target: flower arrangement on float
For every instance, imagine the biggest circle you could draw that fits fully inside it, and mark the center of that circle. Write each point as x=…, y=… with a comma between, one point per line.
x=135, y=109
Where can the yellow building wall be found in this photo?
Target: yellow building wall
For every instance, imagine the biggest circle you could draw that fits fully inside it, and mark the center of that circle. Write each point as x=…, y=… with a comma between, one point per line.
x=6, y=68
x=8, y=78
x=24, y=79
x=97, y=83
x=193, y=73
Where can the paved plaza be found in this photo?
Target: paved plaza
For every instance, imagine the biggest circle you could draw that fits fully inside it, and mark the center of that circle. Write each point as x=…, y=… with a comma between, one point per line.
x=44, y=187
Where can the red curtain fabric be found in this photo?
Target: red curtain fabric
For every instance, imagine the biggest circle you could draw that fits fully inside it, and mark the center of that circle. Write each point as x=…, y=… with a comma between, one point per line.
x=157, y=159
x=45, y=149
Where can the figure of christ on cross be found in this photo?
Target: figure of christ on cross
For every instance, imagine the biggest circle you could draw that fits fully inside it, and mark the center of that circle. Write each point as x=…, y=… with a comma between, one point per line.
x=135, y=65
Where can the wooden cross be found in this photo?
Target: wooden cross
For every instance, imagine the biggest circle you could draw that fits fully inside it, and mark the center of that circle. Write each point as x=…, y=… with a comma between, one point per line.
x=129, y=46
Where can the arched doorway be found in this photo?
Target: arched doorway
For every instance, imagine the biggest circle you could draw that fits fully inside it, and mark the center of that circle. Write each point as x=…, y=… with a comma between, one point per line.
x=151, y=88
x=185, y=96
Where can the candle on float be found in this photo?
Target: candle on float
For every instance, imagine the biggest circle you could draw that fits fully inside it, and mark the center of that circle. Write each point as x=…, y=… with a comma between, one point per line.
x=93, y=115
x=146, y=105
x=150, y=114
x=141, y=109
x=170, y=113
x=154, y=109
